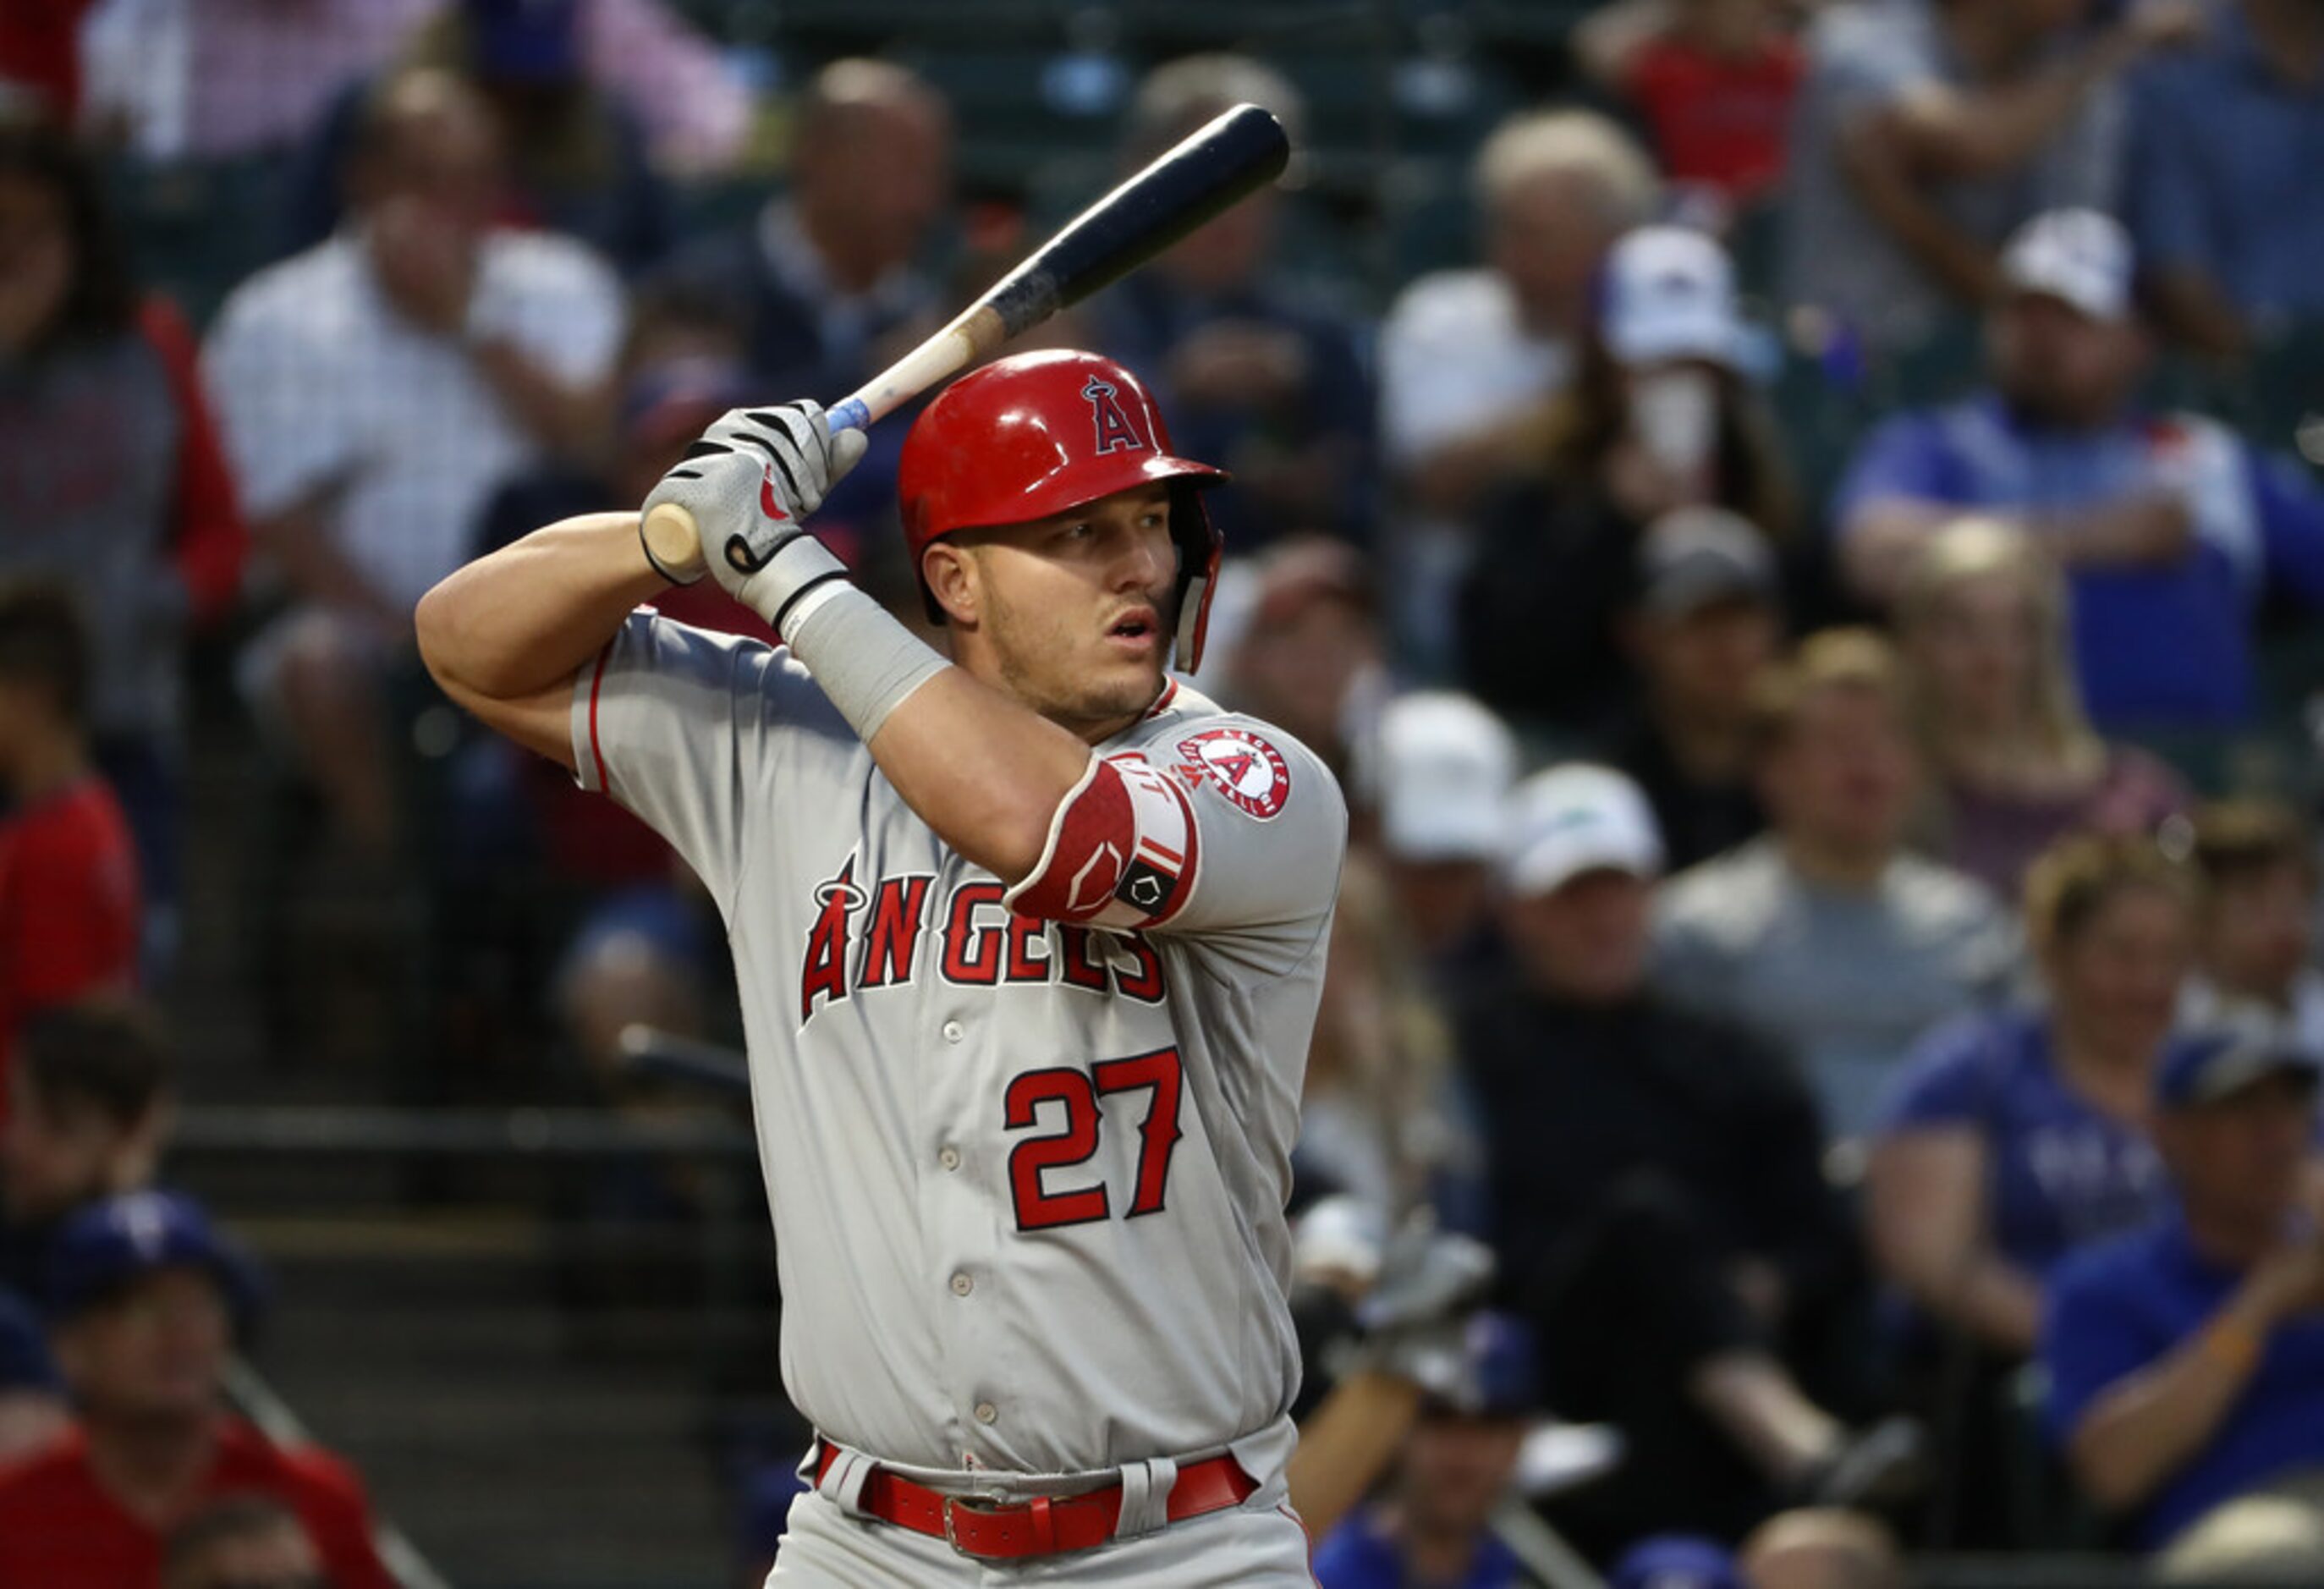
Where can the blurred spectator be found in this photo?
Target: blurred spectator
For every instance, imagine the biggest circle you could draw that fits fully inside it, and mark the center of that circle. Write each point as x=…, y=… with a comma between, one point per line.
x=40, y=55
x=2014, y=763
x=111, y=475
x=1433, y=1526
x=1439, y=766
x=2256, y=860
x=241, y=1542
x=174, y=81
x=1707, y=621
x=1255, y=373
x=574, y=157
x=32, y=1406
x=1712, y=79
x=1658, y=1193
x=1929, y=129
x=90, y=1110
x=1819, y=1548
x=1309, y=657
x=1659, y=417
x=2186, y=1362
x=827, y=271
x=146, y=1298
x=2224, y=139
x=2171, y=528
x=1824, y=933
x=1468, y=357
x=2013, y=1139
x=69, y=910
x=258, y=74
x=1376, y=1120
x=375, y=391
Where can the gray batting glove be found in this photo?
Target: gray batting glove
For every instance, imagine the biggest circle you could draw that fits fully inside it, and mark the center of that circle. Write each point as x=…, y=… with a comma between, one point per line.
x=750, y=483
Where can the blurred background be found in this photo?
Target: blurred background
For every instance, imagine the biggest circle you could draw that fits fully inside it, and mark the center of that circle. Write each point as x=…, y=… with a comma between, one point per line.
x=1797, y=525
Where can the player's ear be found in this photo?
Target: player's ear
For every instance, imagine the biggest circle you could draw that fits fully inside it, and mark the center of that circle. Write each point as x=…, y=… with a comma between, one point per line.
x=952, y=577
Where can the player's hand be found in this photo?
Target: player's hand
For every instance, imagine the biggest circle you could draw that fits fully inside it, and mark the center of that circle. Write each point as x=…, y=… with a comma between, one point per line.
x=750, y=483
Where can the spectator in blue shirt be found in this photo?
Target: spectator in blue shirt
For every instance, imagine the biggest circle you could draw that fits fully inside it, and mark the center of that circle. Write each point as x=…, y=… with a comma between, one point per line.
x=2226, y=141
x=2186, y=1361
x=1432, y=1529
x=1254, y=372
x=2171, y=528
x=2013, y=1139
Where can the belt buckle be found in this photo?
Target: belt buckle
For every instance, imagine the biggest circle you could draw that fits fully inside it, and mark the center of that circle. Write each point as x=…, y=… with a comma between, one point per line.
x=952, y=1537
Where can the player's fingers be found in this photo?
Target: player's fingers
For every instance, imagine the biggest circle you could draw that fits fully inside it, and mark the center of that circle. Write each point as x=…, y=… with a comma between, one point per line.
x=847, y=450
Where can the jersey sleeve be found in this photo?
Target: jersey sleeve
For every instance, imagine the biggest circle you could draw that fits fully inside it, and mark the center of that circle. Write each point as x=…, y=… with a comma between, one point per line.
x=672, y=723
x=1224, y=828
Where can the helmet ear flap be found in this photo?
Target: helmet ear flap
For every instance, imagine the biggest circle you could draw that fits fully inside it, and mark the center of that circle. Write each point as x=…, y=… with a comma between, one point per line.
x=1199, y=548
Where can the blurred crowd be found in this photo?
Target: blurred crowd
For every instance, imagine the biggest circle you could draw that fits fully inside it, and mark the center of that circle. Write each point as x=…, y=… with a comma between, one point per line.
x=1821, y=1051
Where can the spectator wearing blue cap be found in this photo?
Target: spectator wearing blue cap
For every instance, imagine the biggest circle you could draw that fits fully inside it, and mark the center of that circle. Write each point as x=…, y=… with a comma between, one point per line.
x=144, y=1297
x=2186, y=1362
x=2172, y=530
x=1432, y=1528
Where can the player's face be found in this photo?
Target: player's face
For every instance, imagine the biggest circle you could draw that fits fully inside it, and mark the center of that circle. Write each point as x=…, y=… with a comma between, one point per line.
x=155, y=1352
x=1072, y=614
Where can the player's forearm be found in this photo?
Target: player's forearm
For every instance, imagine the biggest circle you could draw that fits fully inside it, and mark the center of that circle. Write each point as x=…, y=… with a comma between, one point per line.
x=986, y=772
x=522, y=619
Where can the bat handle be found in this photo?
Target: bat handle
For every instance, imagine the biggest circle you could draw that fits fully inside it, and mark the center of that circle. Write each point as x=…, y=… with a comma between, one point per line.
x=670, y=532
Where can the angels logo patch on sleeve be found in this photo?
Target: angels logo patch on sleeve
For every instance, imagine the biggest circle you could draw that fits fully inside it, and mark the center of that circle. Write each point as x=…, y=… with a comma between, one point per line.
x=1251, y=774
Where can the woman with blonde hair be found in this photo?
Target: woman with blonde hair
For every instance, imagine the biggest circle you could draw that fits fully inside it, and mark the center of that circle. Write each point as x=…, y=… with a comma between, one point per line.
x=2014, y=761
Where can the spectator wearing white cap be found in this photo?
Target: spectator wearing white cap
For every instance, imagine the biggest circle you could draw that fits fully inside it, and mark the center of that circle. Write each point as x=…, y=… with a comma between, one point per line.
x=2171, y=528
x=1709, y=618
x=1468, y=357
x=1662, y=415
x=1660, y=1212
x=1438, y=768
x=1824, y=933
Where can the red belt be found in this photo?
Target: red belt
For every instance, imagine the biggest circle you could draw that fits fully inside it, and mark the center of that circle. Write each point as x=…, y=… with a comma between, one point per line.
x=1045, y=1525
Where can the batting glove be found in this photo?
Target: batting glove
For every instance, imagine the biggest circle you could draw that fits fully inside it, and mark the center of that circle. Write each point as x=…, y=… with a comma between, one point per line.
x=750, y=483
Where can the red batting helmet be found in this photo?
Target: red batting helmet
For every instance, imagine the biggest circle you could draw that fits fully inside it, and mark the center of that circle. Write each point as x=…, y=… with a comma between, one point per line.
x=1033, y=435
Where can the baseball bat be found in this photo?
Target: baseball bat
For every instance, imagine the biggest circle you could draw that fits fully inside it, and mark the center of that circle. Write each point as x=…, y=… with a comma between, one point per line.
x=1206, y=173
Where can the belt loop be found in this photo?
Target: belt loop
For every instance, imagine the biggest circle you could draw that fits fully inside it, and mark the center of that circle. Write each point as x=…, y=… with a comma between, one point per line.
x=843, y=1482
x=1145, y=1496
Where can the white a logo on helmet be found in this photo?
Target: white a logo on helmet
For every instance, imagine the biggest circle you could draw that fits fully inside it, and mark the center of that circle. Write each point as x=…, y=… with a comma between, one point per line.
x=1113, y=426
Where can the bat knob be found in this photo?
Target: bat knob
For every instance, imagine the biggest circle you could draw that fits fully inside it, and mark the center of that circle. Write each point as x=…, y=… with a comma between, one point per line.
x=672, y=539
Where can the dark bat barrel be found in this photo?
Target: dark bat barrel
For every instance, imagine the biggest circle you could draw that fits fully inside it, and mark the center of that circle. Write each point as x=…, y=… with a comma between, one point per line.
x=1239, y=152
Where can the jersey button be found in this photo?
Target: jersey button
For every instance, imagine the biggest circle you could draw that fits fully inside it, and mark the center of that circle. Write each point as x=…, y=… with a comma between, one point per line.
x=962, y=1285
x=951, y=1031
x=949, y=1157
x=986, y=1412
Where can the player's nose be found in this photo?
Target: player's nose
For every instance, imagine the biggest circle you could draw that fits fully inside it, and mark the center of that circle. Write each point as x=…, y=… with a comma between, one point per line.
x=1148, y=560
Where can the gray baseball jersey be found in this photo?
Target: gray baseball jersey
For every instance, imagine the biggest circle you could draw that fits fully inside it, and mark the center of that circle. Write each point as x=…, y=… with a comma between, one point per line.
x=1027, y=1155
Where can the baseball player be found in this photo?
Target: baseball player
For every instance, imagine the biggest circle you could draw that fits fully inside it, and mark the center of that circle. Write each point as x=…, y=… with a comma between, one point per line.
x=1030, y=945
